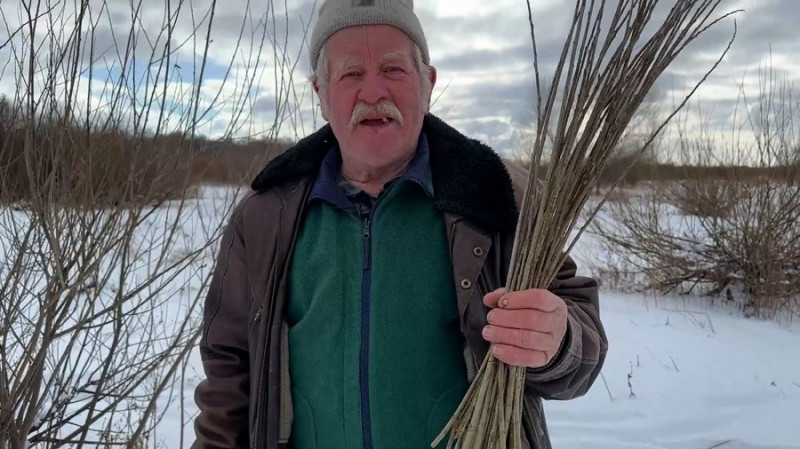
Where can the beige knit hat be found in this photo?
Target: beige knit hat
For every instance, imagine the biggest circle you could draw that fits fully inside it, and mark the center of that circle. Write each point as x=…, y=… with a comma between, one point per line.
x=337, y=14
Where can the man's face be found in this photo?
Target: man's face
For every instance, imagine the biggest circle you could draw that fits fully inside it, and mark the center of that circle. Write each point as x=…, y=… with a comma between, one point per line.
x=375, y=98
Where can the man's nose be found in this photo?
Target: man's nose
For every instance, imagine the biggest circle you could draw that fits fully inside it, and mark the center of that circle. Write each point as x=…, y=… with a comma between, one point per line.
x=373, y=89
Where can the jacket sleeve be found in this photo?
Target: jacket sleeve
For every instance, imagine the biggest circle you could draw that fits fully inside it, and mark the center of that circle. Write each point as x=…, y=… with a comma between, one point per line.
x=223, y=397
x=575, y=368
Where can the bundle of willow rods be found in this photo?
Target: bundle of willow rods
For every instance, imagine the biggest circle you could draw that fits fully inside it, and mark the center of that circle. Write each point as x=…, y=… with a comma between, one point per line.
x=611, y=65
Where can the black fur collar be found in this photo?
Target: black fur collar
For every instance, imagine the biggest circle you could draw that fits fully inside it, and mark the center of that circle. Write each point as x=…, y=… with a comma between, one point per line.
x=469, y=178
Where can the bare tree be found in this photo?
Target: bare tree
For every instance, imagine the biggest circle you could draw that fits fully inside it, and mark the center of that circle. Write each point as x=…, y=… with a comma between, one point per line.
x=105, y=243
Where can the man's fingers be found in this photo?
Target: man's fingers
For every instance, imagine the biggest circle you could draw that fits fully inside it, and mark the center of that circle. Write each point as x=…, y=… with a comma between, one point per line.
x=529, y=319
x=492, y=298
x=537, y=299
x=520, y=338
x=511, y=355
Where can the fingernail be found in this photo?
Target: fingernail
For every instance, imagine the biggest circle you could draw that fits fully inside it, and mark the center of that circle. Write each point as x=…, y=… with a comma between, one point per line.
x=487, y=332
x=504, y=302
x=497, y=352
x=489, y=316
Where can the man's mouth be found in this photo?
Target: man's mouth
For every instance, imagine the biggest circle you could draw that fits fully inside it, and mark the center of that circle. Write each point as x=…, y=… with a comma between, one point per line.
x=377, y=122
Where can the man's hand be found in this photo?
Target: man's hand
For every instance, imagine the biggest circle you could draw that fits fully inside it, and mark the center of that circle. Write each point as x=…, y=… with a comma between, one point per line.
x=525, y=327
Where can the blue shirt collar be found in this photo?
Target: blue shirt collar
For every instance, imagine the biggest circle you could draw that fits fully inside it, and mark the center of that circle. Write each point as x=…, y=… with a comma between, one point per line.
x=329, y=183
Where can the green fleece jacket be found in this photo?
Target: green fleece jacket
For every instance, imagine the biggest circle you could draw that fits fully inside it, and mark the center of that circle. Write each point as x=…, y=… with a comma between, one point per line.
x=375, y=348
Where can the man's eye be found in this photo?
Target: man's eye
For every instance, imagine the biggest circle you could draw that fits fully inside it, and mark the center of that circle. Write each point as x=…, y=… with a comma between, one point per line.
x=350, y=75
x=394, y=69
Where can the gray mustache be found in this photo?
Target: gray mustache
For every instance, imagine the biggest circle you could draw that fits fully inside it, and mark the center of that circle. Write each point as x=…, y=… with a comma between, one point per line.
x=386, y=108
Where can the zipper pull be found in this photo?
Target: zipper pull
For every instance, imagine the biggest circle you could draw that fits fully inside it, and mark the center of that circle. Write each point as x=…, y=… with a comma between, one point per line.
x=366, y=221
x=366, y=243
x=364, y=212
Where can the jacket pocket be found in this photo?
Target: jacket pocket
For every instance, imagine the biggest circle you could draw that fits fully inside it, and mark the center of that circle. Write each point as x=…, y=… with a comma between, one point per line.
x=304, y=429
x=442, y=410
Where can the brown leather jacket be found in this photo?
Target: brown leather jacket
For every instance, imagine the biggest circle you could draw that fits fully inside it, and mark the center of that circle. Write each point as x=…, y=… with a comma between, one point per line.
x=245, y=400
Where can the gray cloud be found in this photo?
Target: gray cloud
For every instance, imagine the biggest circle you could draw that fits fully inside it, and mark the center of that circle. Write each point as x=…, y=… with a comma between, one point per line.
x=763, y=24
x=264, y=105
x=495, y=133
x=514, y=100
x=483, y=59
x=486, y=56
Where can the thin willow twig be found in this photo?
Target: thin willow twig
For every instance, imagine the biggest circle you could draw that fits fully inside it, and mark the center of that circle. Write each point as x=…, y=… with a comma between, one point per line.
x=603, y=76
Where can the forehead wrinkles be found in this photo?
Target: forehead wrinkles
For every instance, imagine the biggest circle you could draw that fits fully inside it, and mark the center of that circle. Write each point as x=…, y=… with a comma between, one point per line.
x=347, y=62
x=393, y=56
x=366, y=39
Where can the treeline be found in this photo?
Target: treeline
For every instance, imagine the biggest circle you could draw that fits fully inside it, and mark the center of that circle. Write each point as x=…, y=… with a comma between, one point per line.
x=645, y=171
x=113, y=165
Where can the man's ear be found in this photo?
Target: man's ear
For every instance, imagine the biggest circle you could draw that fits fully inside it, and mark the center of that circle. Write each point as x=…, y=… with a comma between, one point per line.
x=432, y=79
x=323, y=104
x=323, y=109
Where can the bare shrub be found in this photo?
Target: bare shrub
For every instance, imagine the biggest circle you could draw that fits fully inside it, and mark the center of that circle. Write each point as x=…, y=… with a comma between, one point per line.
x=105, y=255
x=731, y=230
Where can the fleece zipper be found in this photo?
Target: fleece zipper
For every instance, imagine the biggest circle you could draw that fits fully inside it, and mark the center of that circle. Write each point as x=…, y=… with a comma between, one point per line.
x=365, y=213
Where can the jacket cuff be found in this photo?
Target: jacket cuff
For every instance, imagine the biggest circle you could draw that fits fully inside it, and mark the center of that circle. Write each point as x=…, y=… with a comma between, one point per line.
x=566, y=358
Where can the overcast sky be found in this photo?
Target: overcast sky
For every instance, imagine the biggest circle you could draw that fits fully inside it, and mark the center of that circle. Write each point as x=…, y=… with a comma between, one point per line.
x=483, y=54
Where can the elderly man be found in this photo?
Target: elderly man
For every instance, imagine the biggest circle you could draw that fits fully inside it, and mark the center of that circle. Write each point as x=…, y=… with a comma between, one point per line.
x=359, y=286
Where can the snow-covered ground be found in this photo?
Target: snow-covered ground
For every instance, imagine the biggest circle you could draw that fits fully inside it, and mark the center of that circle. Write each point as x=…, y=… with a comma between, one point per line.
x=701, y=376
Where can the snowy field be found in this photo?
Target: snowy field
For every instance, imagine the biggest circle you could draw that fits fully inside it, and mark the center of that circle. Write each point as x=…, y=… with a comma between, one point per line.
x=702, y=377
x=680, y=374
